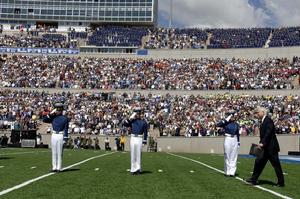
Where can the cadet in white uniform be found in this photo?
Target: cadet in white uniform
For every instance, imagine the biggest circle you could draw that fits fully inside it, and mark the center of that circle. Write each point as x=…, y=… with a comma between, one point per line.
x=231, y=143
x=139, y=133
x=60, y=125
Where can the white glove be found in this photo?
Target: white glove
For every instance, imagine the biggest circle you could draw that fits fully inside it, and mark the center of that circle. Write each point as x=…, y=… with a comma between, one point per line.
x=53, y=111
x=132, y=116
x=228, y=118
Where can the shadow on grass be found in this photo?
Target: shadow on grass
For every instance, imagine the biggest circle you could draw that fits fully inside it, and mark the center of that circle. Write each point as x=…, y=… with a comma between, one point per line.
x=6, y=158
x=68, y=170
x=142, y=173
x=146, y=172
x=264, y=182
x=230, y=176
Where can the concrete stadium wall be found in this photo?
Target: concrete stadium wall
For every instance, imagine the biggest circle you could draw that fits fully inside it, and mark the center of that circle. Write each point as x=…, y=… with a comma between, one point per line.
x=194, y=144
x=46, y=139
x=215, y=144
x=273, y=92
x=248, y=53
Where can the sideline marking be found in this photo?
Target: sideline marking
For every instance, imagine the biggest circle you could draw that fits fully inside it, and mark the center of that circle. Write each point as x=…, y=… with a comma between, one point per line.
x=217, y=170
x=49, y=174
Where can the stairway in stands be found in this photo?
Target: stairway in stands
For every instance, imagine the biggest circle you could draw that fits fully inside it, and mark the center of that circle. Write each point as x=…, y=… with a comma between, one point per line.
x=295, y=82
x=144, y=40
x=268, y=40
x=207, y=43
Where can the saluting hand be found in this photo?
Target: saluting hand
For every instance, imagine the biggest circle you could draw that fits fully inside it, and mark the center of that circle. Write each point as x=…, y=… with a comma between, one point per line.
x=132, y=116
x=53, y=111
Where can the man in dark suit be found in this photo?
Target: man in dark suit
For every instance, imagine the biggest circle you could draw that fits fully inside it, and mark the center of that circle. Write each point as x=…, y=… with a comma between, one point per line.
x=269, y=145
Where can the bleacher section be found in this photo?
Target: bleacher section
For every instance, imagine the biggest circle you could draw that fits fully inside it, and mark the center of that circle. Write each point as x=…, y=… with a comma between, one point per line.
x=285, y=37
x=155, y=38
x=29, y=41
x=75, y=35
x=177, y=38
x=117, y=36
x=155, y=74
x=239, y=38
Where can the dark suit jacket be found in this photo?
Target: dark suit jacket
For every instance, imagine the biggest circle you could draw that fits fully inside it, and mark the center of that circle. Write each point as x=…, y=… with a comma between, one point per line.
x=268, y=136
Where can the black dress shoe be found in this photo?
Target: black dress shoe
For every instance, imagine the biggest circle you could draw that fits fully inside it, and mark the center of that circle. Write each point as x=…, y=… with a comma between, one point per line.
x=53, y=171
x=252, y=182
x=278, y=185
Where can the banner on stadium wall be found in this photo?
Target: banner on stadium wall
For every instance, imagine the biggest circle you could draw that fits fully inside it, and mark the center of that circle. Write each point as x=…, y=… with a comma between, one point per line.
x=39, y=50
x=142, y=52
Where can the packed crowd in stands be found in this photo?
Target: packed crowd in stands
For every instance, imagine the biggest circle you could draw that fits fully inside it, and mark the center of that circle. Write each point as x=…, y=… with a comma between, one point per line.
x=176, y=38
x=72, y=34
x=239, y=38
x=155, y=74
x=161, y=38
x=117, y=36
x=158, y=38
x=104, y=113
x=285, y=37
x=29, y=41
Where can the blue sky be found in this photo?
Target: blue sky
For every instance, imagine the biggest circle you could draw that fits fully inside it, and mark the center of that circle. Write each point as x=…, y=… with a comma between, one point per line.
x=230, y=13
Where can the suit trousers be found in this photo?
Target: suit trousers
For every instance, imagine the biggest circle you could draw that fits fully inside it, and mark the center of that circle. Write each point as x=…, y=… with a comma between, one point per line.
x=261, y=161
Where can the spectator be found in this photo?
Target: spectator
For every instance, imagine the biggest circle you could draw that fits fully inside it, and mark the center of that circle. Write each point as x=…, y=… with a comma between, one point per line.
x=107, y=147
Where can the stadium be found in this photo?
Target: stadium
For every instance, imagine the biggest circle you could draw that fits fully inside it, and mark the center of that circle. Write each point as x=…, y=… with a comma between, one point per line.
x=84, y=71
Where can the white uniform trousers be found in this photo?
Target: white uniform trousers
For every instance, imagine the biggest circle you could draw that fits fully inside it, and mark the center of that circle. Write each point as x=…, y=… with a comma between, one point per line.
x=230, y=155
x=57, y=150
x=136, y=144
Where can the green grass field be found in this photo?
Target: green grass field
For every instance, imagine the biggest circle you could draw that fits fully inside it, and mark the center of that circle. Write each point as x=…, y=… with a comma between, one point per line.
x=112, y=180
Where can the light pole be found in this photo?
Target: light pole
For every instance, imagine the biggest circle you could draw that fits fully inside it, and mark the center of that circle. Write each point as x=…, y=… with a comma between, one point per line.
x=171, y=14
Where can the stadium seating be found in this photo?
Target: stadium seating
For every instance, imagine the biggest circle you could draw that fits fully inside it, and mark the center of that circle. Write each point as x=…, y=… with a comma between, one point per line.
x=193, y=115
x=28, y=41
x=176, y=38
x=117, y=36
x=285, y=37
x=161, y=38
x=239, y=38
x=75, y=35
x=156, y=74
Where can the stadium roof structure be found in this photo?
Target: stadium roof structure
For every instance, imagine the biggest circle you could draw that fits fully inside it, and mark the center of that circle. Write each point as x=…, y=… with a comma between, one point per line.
x=78, y=12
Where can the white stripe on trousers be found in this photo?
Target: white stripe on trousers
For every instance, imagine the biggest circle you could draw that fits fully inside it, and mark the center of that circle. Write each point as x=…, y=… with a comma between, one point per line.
x=136, y=144
x=230, y=155
x=57, y=148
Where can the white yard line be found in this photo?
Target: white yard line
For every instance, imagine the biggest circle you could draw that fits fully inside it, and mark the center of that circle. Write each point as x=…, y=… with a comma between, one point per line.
x=217, y=170
x=49, y=174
